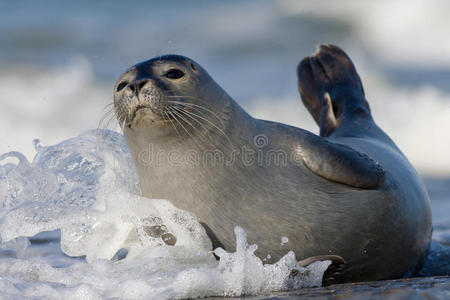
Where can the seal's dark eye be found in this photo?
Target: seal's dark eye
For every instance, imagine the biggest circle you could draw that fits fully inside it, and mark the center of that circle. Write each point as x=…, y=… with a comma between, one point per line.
x=121, y=86
x=174, y=74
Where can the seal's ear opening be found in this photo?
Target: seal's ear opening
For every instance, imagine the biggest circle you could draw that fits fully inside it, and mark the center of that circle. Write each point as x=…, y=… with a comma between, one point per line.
x=193, y=67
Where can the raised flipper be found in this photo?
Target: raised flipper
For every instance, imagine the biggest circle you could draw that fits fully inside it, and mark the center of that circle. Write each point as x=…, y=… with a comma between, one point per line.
x=331, y=88
x=331, y=275
x=332, y=91
x=340, y=163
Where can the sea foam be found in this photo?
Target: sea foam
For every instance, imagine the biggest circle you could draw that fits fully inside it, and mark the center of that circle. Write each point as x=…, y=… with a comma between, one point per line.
x=108, y=241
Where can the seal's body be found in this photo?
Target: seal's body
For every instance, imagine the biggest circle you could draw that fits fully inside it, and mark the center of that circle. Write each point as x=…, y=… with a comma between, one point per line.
x=349, y=192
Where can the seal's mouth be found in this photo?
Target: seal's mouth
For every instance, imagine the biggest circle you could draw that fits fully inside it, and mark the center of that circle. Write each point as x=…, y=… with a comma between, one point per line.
x=140, y=109
x=145, y=111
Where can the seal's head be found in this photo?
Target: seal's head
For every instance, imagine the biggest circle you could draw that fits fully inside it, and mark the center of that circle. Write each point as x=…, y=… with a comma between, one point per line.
x=156, y=94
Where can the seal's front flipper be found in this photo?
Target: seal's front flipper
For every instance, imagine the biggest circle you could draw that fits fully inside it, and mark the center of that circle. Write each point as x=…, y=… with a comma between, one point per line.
x=340, y=163
x=331, y=88
x=331, y=275
x=335, y=260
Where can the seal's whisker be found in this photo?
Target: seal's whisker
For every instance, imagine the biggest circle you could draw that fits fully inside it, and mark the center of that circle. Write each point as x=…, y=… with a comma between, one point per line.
x=184, y=112
x=108, y=105
x=203, y=134
x=176, y=119
x=110, y=110
x=109, y=113
x=171, y=122
x=204, y=118
x=180, y=114
x=103, y=118
x=200, y=135
x=122, y=125
x=129, y=117
x=195, y=105
x=103, y=125
x=108, y=122
x=191, y=107
x=214, y=125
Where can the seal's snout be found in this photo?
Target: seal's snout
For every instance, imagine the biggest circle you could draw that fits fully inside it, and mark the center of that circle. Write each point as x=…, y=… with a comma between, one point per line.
x=138, y=98
x=132, y=87
x=151, y=95
x=137, y=85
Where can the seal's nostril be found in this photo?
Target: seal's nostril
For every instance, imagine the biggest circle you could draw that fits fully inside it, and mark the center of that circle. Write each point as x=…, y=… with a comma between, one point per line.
x=131, y=86
x=141, y=84
x=121, y=86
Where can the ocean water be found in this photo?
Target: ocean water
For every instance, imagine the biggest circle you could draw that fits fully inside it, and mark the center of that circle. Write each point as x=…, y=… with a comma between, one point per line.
x=58, y=64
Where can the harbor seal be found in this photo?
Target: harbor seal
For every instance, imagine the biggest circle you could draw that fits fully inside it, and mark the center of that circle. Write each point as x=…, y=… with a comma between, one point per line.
x=348, y=192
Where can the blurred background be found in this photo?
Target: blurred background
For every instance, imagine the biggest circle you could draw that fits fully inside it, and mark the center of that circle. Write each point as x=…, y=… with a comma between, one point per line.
x=59, y=61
